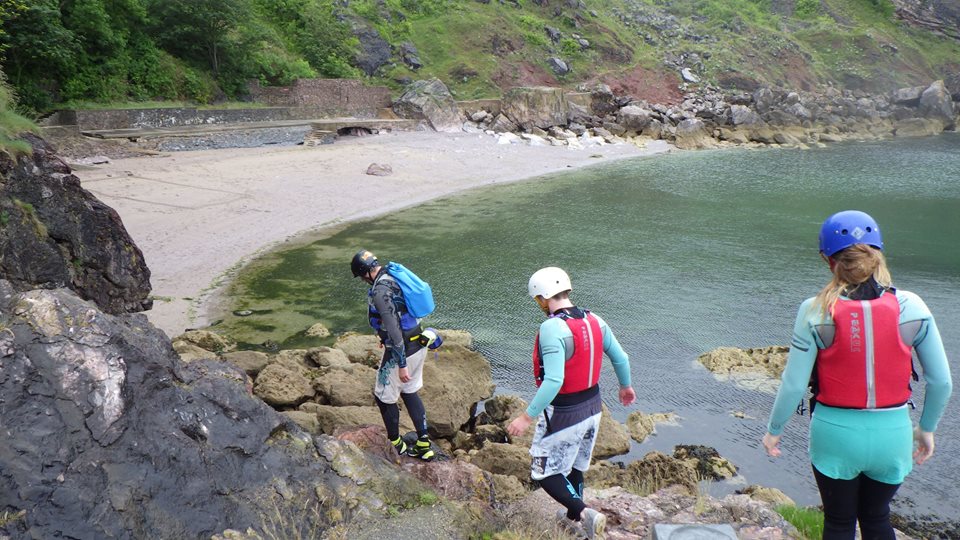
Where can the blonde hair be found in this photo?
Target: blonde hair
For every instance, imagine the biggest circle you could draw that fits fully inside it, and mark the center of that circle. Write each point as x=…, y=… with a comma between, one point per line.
x=851, y=267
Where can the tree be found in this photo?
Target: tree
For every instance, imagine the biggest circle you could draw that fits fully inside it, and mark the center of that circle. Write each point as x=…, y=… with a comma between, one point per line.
x=197, y=28
x=313, y=30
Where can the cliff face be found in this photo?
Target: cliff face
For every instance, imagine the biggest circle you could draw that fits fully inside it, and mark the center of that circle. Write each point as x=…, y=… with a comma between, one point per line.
x=54, y=233
x=106, y=433
x=938, y=16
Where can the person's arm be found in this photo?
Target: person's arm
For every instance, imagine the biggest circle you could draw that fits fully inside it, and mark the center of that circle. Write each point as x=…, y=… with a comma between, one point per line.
x=618, y=357
x=621, y=363
x=938, y=384
x=796, y=374
x=383, y=300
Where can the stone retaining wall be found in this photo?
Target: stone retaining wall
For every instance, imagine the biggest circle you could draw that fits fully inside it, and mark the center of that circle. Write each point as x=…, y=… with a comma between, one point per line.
x=155, y=118
x=341, y=97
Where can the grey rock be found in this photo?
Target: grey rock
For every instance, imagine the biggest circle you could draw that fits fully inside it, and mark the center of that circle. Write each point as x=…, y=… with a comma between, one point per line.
x=741, y=115
x=379, y=169
x=688, y=76
x=540, y=106
x=553, y=33
x=558, y=65
x=109, y=435
x=410, y=56
x=907, y=96
x=634, y=118
x=430, y=100
x=374, y=51
x=57, y=234
x=936, y=102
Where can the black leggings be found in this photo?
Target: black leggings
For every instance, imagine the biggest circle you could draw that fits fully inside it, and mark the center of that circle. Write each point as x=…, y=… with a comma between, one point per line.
x=390, y=413
x=566, y=490
x=845, y=502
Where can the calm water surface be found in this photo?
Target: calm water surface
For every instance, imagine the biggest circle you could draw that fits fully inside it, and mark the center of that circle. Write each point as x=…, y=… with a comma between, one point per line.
x=680, y=254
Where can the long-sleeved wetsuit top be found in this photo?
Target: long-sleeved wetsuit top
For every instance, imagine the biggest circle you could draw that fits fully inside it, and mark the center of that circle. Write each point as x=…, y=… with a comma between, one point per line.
x=555, y=336
x=806, y=343
x=387, y=300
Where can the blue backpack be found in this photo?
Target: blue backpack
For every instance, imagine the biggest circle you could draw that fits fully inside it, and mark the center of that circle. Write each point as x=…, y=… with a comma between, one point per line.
x=416, y=292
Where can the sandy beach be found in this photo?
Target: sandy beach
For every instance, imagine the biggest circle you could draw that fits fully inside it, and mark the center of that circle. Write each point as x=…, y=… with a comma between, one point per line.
x=199, y=216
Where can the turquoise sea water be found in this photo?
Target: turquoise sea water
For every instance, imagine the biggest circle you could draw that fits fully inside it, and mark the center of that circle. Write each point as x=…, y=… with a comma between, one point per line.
x=680, y=254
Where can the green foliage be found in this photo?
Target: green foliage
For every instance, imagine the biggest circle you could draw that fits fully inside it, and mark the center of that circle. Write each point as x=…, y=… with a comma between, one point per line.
x=808, y=521
x=807, y=9
x=11, y=123
x=428, y=498
x=570, y=47
x=884, y=7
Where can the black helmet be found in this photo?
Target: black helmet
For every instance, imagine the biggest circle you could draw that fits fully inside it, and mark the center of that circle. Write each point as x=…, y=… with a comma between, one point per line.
x=363, y=262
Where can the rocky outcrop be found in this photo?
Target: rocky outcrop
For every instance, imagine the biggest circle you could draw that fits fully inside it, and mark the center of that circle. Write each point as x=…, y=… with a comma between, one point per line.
x=374, y=51
x=756, y=369
x=939, y=17
x=54, y=233
x=768, y=361
x=710, y=117
x=430, y=100
x=530, y=107
x=641, y=425
x=107, y=434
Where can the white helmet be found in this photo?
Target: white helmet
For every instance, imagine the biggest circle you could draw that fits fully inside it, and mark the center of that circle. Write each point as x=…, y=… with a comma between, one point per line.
x=547, y=282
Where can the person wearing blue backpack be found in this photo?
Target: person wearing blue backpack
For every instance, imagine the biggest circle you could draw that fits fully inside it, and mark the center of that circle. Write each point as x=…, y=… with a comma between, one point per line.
x=394, y=313
x=856, y=339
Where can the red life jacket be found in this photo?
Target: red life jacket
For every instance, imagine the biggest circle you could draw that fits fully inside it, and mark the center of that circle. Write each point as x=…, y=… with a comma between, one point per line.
x=582, y=368
x=868, y=366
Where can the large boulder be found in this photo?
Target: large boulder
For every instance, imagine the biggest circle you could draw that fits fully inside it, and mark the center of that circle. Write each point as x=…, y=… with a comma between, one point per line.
x=613, y=439
x=432, y=101
x=281, y=386
x=909, y=96
x=351, y=385
x=936, y=103
x=741, y=115
x=360, y=348
x=108, y=435
x=634, y=118
x=540, y=106
x=501, y=458
x=54, y=233
x=454, y=381
x=693, y=134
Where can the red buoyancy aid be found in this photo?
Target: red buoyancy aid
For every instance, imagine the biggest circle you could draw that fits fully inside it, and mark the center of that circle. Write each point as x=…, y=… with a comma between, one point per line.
x=868, y=366
x=582, y=368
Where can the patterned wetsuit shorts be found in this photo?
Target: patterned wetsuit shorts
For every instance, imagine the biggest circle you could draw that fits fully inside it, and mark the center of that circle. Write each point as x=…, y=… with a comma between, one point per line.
x=564, y=438
x=388, y=385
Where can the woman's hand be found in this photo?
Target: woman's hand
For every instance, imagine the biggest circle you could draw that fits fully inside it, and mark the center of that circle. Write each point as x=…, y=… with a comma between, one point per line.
x=772, y=444
x=924, y=442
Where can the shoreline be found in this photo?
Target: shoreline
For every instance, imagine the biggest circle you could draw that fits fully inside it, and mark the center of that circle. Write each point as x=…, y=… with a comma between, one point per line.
x=200, y=216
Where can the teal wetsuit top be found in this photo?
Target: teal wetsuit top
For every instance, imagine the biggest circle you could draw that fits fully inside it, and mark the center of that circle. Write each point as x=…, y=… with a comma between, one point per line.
x=878, y=442
x=555, y=336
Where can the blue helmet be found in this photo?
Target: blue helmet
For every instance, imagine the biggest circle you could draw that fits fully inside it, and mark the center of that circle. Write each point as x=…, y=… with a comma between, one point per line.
x=847, y=228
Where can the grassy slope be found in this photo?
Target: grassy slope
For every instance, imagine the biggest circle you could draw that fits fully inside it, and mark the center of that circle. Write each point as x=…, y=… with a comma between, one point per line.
x=479, y=49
